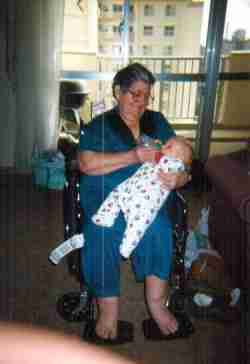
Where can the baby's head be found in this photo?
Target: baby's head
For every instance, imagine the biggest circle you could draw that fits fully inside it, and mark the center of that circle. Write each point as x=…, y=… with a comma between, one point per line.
x=180, y=148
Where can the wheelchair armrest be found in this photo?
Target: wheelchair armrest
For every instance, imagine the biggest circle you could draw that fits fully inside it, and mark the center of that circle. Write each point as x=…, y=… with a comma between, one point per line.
x=73, y=215
x=177, y=209
x=178, y=212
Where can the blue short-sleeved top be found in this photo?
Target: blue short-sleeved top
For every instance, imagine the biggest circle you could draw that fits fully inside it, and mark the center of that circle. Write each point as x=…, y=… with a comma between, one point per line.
x=109, y=134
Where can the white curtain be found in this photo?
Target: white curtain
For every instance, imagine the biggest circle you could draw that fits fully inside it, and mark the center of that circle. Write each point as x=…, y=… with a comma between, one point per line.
x=39, y=27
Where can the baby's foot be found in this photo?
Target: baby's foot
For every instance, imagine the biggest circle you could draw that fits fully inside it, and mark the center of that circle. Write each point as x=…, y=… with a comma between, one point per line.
x=102, y=220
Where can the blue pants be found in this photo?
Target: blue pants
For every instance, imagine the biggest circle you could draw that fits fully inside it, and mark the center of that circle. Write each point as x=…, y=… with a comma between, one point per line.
x=101, y=258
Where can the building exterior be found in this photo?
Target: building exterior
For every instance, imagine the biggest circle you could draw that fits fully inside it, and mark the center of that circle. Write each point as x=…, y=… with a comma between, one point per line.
x=80, y=26
x=80, y=39
x=159, y=28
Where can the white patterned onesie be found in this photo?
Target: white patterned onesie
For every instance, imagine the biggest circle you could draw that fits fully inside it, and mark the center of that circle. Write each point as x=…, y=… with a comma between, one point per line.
x=140, y=197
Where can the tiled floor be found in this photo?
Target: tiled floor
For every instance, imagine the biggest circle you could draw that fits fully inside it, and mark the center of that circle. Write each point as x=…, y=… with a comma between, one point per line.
x=31, y=225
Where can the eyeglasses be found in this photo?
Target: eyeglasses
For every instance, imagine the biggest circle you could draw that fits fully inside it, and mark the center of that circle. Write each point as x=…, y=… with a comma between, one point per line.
x=137, y=96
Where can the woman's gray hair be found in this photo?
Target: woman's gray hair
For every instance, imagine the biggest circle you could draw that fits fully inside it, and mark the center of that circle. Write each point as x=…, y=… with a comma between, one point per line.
x=126, y=76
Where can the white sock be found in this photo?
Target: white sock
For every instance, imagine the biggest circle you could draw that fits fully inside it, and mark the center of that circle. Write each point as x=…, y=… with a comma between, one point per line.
x=73, y=243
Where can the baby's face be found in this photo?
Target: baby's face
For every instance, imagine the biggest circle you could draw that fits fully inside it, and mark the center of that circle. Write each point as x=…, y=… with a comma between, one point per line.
x=178, y=148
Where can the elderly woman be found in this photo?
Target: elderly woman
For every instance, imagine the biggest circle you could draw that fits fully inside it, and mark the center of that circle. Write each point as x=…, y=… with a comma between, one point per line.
x=109, y=153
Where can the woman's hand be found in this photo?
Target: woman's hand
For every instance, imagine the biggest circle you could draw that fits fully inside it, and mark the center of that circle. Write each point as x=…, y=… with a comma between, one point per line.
x=172, y=181
x=145, y=154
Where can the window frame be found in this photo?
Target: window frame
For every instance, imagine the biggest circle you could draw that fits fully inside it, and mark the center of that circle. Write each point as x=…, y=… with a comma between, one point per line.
x=166, y=50
x=146, y=28
x=117, y=8
x=149, y=10
x=147, y=50
x=169, y=31
x=170, y=10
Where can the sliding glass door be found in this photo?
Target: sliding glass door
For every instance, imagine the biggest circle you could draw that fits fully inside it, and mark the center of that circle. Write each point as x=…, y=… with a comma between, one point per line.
x=170, y=38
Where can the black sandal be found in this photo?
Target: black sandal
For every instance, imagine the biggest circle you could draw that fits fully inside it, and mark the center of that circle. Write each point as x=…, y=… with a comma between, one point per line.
x=125, y=334
x=152, y=331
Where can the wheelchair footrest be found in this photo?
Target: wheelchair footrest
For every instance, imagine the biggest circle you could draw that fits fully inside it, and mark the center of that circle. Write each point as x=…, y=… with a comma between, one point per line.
x=125, y=334
x=152, y=331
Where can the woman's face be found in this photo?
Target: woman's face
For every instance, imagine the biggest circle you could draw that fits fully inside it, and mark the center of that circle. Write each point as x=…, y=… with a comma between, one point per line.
x=133, y=102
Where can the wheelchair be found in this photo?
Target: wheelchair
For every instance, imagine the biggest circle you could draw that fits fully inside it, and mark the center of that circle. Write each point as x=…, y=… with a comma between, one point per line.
x=80, y=306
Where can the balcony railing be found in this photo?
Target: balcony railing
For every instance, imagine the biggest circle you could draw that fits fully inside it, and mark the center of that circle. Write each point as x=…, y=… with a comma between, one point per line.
x=176, y=97
x=177, y=93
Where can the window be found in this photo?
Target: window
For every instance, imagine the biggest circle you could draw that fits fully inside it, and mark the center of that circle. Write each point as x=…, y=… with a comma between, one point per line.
x=148, y=10
x=116, y=29
x=104, y=8
x=103, y=28
x=117, y=8
x=131, y=33
x=116, y=50
x=169, y=31
x=148, y=30
x=102, y=49
x=170, y=10
x=166, y=86
x=167, y=67
x=147, y=50
x=168, y=50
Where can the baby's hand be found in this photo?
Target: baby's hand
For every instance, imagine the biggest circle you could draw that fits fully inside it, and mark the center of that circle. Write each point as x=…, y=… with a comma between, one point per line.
x=168, y=180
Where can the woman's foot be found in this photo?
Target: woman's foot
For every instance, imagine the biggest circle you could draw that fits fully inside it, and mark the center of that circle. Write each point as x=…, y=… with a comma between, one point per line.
x=164, y=318
x=106, y=326
x=156, y=294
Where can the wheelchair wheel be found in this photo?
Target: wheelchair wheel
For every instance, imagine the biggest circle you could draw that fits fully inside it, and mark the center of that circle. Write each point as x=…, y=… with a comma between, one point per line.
x=73, y=306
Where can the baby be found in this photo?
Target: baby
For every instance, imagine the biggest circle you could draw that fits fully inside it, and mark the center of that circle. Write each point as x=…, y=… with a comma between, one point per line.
x=141, y=196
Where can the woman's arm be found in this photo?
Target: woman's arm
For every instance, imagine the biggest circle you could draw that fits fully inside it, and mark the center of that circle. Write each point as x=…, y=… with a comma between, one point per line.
x=96, y=163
